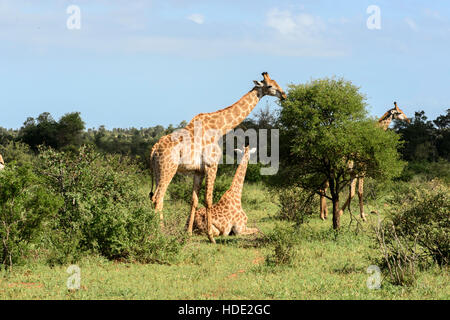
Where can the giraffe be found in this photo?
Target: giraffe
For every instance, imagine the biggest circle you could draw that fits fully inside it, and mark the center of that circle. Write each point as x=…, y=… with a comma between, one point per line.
x=2, y=163
x=383, y=122
x=174, y=153
x=227, y=214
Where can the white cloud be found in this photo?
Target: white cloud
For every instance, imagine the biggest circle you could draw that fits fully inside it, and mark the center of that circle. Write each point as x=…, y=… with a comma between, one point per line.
x=197, y=18
x=287, y=23
x=411, y=23
x=281, y=21
x=434, y=14
x=303, y=35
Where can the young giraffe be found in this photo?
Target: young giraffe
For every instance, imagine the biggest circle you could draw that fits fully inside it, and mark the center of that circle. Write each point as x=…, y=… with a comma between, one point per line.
x=2, y=163
x=383, y=122
x=227, y=214
x=195, y=149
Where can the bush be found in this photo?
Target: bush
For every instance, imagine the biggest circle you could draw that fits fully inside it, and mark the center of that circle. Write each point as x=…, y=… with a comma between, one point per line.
x=24, y=204
x=428, y=221
x=16, y=152
x=104, y=210
x=400, y=257
x=427, y=171
x=284, y=240
x=417, y=232
x=297, y=204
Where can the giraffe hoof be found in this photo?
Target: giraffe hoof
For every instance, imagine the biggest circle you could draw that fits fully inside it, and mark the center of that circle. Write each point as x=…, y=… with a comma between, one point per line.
x=211, y=239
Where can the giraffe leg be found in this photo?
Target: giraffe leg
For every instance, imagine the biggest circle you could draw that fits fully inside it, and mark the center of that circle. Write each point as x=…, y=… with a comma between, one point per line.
x=198, y=178
x=227, y=229
x=164, y=181
x=244, y=230
x=211, y=172
x=360, y=195
x=323, y=206
x=352, y=189
x=323, y=201
x=240, y=227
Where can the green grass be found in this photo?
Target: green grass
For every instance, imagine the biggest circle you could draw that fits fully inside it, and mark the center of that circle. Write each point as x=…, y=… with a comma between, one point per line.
x=325, y=267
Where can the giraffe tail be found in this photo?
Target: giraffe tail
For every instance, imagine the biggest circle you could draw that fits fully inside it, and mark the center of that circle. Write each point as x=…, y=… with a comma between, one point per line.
x=152, y=174
x=151, y=190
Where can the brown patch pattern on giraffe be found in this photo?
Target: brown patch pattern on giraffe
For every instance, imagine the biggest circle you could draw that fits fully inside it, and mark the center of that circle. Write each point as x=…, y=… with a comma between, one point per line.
x=227, y=214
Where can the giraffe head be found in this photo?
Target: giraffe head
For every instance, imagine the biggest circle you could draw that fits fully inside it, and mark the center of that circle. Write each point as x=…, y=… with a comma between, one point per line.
x=269, y=87
x=394, y=113
x=246, y=151
x=398, y=114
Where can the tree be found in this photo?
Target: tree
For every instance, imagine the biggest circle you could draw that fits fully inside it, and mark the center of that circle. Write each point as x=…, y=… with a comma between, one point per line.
x=64, y=134
x=324, y=129
x=419, y=138
x=69, y=131
x=443, y=135
x=39, y=131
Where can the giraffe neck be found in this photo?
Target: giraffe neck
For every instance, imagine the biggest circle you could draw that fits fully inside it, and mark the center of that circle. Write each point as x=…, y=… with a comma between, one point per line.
x=239, y=177
x=385, y=122
x=230, y=117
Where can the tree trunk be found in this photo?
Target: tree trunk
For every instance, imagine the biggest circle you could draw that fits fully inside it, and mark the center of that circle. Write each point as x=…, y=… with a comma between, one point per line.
x=336, y=215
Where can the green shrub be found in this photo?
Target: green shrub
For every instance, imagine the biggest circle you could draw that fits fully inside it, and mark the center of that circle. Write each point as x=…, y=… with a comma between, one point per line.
x=17, y=152
x=24, y=204
x=417, y=232
x=297, y=204
x=283, y=240
x=104, y=211
x=428, y=220
x=400, y=257
x=426, y=171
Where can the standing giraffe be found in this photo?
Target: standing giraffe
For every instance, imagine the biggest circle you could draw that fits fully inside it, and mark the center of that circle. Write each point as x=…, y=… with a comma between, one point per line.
x=195, y=149
x=2, y=163
x=227, y=214
x=383, y=122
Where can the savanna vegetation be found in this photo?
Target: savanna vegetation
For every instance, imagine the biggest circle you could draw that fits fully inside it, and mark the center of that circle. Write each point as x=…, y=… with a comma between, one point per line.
x=71, y=195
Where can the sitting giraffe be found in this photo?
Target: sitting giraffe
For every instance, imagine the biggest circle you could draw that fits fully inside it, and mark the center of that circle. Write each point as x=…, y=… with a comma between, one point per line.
x=2, y=163
x=227, y=214
x=383, y=122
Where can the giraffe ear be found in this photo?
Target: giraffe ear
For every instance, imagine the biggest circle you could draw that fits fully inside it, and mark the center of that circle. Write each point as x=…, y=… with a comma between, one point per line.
x=253, y=150
x=238, y=151
x=258, y=83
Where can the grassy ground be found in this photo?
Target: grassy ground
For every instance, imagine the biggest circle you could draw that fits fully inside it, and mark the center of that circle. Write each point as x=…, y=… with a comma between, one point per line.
x=235, y=268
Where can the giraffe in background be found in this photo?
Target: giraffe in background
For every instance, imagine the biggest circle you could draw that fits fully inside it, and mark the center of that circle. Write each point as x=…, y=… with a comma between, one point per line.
x=383, y=122
x=195, y=149
x=227, y=214
x=2, y=163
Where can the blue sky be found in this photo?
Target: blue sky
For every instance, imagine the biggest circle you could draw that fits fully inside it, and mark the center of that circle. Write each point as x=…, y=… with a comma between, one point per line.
x=143, y=63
